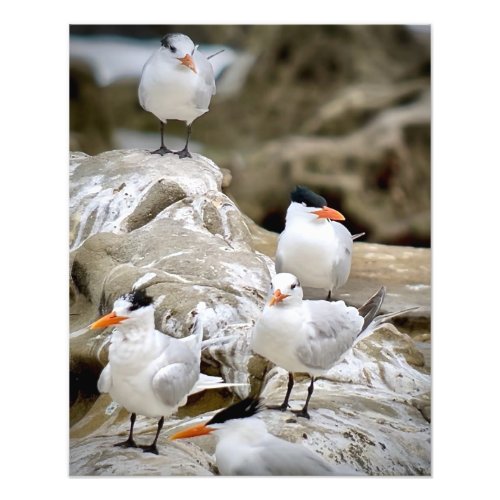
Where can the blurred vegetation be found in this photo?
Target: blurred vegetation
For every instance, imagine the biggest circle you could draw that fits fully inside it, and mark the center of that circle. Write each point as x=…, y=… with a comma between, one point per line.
x=342, y=109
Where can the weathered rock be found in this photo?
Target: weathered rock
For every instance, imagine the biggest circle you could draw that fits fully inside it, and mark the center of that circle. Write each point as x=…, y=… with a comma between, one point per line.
x=181, y=238
x=370, y=411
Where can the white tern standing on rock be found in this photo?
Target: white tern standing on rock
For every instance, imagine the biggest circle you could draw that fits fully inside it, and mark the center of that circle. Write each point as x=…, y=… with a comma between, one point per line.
x=150, y=373
x=313, y=246
x=177, y=83
x=308, y=336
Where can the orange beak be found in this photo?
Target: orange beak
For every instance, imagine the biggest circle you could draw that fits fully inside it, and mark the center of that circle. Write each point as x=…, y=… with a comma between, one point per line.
x=329, y=213
x=277, y=297
x=187, y=61
x=196, y=430
x=108, y=320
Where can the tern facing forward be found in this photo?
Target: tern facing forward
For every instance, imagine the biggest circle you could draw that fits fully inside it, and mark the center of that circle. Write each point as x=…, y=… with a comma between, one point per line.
x=177, y=83
x=313, y=246
x=148, y=372
x=307, y=336
x=246, y=448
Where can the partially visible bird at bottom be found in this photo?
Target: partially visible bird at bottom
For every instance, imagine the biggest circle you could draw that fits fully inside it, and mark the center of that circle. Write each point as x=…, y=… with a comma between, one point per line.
x=246, y=448
x=150, y=373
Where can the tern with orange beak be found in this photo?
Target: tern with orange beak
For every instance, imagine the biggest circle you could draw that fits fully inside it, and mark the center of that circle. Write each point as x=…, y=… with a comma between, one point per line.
x=246, y=448
x=150, y=373
x=314, y=246
x=177, y=83
x=308, y=336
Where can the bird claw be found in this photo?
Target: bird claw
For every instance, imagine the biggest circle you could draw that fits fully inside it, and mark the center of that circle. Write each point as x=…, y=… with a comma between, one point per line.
x=302, y=413
x=129, y=443
x=282, y=407
x=183, y=153
x=161, y=151
x=150, y=448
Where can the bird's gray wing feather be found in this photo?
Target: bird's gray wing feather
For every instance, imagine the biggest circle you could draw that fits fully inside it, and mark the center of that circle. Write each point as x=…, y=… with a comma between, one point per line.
x=104, y=382
x=281, y=458
x=342, y=265
x=172, y=383
x=206, y=89
x=331, y=330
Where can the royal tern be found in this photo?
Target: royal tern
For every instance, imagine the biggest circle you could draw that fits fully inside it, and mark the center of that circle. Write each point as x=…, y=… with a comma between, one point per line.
x=313, y=246
x=307, y=336
x=246, y=448
x=150, y=373
x=177, y=83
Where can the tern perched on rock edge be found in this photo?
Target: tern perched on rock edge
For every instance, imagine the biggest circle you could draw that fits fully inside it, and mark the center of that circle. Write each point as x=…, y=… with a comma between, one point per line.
x=150, y=373
x=246, y=448
x=313, y=246
x=177, y=83
x=309, y=336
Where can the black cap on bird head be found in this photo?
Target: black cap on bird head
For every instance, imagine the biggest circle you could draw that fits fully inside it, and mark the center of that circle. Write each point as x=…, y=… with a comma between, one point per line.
x=308, y=197
x=138, y=299
x=248, y=407
x=168, y=38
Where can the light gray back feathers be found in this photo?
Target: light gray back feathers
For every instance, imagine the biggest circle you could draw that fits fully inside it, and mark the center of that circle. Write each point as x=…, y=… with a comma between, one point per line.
x=333, y=327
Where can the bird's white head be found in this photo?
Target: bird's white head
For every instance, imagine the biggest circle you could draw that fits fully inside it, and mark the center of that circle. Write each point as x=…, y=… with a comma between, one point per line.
x=236, y=418
x=131, y=312
x=285, y=290
x=306, y=203
x=179, y=49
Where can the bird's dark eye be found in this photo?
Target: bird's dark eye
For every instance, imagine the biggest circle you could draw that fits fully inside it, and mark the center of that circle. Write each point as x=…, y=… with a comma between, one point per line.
x=294, y=285
x=172, y=48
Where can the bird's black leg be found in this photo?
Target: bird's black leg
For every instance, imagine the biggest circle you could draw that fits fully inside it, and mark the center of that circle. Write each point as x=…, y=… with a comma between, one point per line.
x=283, y=406
x=303, y=412
x=163, y=149
x=184, y=153
x=152, y=447
x=129, y=443
x=329, y=298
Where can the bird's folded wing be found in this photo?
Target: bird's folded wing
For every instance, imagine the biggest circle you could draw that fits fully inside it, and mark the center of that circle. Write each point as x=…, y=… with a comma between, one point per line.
x=173, y=382
x=331, y=329
x=342, y=265
x=104, y=382
x=288, y=459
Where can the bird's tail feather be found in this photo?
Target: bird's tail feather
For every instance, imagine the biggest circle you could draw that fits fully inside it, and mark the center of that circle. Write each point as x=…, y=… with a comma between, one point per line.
x=206, y=382
x=384, y=317
x=371, y=307
x=356, y=236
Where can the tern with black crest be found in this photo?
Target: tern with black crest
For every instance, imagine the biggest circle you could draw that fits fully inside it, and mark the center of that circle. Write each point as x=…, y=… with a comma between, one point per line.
x=150, y=373
x=177, y=83
x=246, y=448
x=314, y=246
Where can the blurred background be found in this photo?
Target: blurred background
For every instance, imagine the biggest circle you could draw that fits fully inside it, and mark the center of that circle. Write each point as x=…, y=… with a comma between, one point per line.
x=344, y=110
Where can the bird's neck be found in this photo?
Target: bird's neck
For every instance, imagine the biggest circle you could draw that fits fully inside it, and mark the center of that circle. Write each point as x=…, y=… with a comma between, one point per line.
x=247, y=430
x=297, y=214
x=137, y=331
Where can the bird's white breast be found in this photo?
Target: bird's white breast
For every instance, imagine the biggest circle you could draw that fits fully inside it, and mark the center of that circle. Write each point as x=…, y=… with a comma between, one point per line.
x=277, y=334
x=170, y=90
x=309, y=250
x=133, y=366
